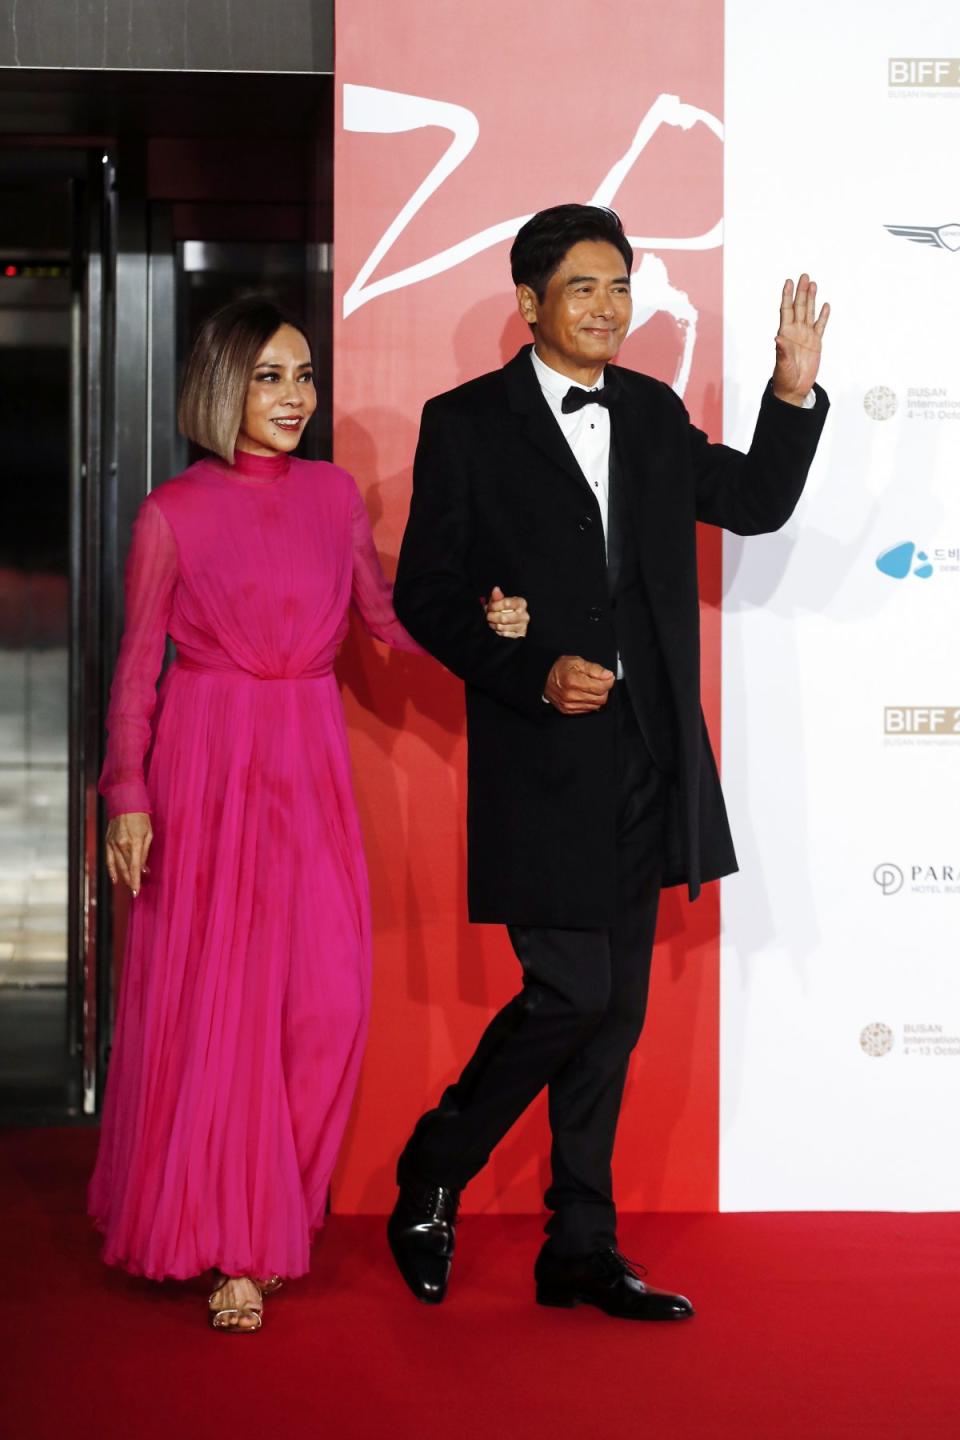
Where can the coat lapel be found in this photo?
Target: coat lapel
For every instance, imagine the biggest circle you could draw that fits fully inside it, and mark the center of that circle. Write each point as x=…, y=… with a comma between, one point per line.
x=662, y=529
x=536, y=423
x=633, y=444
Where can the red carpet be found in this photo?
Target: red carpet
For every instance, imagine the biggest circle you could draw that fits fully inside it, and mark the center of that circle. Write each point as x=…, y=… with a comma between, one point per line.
x=809, y=1327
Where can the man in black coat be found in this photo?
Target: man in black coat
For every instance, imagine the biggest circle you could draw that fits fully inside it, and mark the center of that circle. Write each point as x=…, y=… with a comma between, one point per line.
x=592, y=784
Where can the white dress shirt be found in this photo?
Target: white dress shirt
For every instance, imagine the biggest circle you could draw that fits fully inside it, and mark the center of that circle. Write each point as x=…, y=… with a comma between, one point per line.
x=587, y=432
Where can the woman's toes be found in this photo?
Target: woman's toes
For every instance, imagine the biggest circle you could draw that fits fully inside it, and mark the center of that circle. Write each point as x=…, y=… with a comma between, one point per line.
x=241, y=1295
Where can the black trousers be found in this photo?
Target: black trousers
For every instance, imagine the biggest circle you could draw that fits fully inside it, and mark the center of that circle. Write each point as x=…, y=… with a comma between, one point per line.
x=571, y=1028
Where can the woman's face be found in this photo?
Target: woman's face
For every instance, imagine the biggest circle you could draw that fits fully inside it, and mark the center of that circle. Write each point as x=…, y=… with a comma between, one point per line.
x=280, y=397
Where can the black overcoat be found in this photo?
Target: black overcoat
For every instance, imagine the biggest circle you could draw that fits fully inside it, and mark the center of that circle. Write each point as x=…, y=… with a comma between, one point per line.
x=498, y=499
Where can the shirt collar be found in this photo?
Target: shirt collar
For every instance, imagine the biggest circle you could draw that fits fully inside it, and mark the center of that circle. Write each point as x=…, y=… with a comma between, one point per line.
x=553, y=384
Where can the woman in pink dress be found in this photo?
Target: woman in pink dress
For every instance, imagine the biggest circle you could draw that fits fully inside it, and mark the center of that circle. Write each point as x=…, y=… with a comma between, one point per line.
x=246, y=985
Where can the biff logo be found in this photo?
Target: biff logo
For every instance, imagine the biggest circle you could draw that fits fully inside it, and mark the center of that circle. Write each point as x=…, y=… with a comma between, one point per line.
x=920, y=73
x=921, y=720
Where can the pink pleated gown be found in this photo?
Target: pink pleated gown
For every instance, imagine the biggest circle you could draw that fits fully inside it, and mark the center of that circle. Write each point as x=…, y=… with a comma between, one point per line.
x=245, y=993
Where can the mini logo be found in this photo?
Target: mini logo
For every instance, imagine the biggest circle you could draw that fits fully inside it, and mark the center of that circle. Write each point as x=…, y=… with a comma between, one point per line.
x=880, y=402
x=876, y=1039
x=889, y=877
x=897, y=562
x=941, y=237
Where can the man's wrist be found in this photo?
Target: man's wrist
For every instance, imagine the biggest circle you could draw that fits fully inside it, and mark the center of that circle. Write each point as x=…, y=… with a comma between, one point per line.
x=802, y=402
x=546, y=684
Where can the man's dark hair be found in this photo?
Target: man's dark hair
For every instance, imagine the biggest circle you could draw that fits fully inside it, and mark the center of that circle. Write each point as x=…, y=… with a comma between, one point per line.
x=544, y=240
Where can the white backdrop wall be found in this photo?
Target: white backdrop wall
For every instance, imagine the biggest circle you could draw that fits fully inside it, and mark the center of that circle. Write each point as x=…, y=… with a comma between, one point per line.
x=840, y=1013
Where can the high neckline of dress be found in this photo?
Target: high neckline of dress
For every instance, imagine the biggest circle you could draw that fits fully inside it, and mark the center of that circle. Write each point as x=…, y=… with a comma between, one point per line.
x=251, y=469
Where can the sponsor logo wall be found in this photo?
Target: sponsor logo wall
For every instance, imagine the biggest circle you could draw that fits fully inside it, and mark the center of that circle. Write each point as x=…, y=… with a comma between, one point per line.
x=840, y=971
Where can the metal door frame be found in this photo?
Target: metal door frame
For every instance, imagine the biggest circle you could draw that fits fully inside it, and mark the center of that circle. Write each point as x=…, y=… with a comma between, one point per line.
x=89, y=175
x=90, y=459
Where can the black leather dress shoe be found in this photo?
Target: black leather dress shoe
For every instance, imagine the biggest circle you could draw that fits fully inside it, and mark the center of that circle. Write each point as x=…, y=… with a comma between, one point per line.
x=422, y=1235
x=609, y=1281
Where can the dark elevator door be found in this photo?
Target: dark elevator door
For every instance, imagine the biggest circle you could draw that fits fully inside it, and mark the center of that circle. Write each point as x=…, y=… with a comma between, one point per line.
x=37, y=1072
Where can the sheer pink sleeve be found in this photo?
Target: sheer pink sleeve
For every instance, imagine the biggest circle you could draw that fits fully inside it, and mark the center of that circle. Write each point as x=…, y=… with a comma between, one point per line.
x=148, y=586
x=372, y=592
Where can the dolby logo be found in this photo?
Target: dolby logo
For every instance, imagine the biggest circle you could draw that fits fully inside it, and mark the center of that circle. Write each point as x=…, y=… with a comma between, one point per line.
x=921, y=720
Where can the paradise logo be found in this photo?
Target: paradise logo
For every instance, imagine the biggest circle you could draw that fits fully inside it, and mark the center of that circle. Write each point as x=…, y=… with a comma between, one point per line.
x=889, y=877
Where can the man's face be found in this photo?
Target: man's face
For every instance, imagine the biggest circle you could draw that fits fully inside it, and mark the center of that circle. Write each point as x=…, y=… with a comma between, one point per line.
x=583, y=318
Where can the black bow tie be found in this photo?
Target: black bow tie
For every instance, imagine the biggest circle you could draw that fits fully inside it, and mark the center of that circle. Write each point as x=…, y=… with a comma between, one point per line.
x=576, y=398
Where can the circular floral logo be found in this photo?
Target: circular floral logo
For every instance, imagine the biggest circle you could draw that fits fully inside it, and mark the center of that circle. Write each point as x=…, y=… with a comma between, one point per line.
x=876, y=1039
x=880, y=403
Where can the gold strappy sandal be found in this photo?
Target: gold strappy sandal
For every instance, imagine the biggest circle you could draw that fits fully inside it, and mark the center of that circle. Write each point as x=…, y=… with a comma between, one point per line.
x=250, y=1311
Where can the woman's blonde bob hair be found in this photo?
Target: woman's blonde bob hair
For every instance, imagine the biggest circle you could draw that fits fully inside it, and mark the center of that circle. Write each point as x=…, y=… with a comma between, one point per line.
x=214, y=386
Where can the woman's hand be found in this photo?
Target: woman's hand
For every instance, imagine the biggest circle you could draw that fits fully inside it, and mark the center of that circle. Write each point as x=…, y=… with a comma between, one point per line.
x=507, y=614
x=129, y=838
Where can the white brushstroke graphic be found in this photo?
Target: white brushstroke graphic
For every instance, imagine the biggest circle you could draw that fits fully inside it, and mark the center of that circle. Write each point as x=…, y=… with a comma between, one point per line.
x=386, y=112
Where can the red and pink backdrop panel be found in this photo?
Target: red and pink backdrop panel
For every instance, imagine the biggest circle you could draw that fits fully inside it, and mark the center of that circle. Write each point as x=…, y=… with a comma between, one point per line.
x=455, y=122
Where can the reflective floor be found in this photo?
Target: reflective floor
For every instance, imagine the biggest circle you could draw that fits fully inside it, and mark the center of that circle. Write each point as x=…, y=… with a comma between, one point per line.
x=33, y=817
x=35, y=1071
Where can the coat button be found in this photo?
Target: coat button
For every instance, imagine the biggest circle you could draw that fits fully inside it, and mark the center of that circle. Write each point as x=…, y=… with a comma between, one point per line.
x=595, y=612
x=585, y=523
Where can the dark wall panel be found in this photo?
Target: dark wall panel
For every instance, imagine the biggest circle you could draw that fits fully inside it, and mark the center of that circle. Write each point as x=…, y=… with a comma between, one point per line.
x=214, y=169
x=167, y=34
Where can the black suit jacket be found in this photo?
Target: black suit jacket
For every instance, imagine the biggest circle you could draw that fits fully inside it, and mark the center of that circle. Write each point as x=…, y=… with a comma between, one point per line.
x=498, y=499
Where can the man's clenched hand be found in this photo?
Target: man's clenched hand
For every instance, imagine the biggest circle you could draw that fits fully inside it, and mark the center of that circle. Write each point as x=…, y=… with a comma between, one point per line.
x=576, y=686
